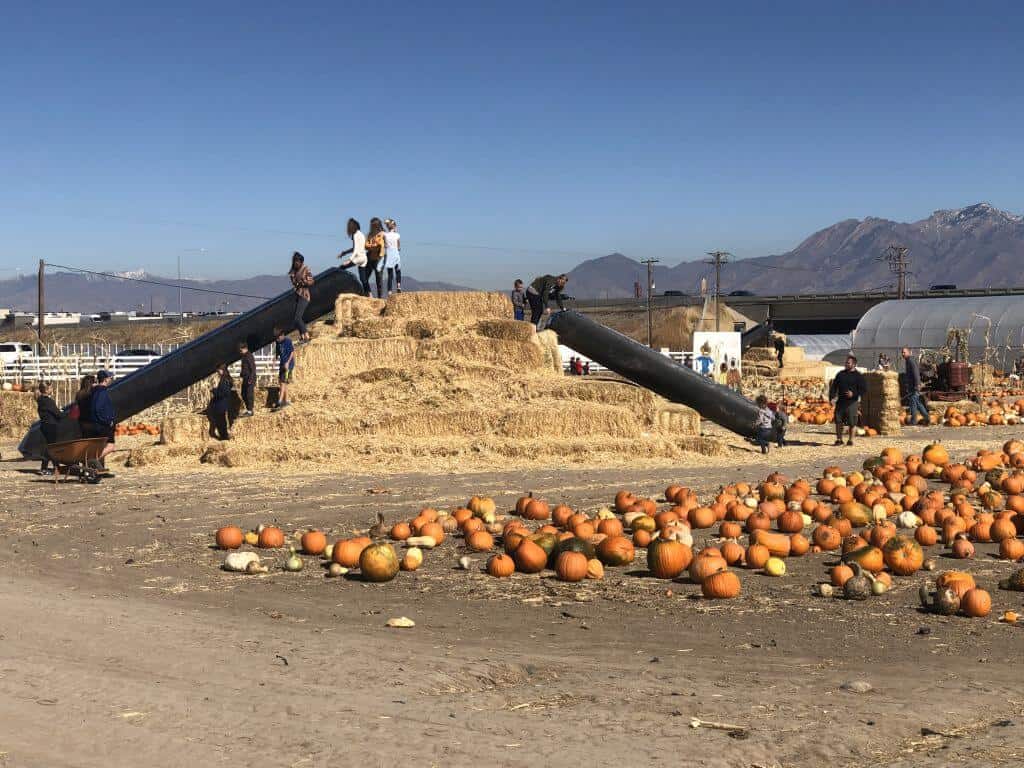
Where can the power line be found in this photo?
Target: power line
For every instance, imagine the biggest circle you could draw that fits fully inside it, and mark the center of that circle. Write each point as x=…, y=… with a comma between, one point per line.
x=157, y=282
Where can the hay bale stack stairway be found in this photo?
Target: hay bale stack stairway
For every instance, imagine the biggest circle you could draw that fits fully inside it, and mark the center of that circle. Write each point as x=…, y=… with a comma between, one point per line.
x=431, y=378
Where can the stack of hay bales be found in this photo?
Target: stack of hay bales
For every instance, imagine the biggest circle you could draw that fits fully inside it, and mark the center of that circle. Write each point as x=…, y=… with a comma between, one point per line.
x=881, y=406
x=444, y=379
x=761, y=361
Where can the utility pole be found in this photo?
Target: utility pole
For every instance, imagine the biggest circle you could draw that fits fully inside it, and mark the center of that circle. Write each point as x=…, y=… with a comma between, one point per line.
x=899, y=263
x=41, y=299
x=650, y=289
x=718, y=258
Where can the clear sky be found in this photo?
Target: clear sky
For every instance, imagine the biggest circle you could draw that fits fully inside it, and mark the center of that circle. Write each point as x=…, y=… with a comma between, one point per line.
x=544, y=132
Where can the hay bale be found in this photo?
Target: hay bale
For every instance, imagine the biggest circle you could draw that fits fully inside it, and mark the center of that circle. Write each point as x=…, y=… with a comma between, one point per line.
x=376, y=327
x=17, y=412
x=323, y=359
x=508, y=330
x=675, y=419
x=760, y=354
x=459, y=307
x=349, y=308
x=547, y=341
x=881, y=405
x=184, y=430
x=567, y=420
x=509, y=355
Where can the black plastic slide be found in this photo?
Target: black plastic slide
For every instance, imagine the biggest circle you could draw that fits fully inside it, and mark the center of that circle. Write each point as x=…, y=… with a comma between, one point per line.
x=199, y=358
x=754, y=336
x=656, y=372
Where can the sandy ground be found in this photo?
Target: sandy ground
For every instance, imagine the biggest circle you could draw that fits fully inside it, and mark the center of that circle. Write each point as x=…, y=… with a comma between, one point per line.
x=122, y=643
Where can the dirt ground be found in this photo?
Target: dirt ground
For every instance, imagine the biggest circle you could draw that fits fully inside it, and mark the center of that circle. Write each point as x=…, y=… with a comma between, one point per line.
x=123, y=643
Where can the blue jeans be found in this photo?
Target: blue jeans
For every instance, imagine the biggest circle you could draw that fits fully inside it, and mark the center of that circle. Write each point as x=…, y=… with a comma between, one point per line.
x=916, y=406
x=764, y=434
x=519, y=313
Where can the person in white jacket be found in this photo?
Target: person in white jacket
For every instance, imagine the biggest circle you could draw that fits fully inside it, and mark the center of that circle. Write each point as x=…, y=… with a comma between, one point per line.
x=356, y=254
x=393, y=254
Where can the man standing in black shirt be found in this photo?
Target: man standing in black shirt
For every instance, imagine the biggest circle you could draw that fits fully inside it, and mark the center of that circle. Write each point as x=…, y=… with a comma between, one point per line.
x=248, y=378
x=846, y=389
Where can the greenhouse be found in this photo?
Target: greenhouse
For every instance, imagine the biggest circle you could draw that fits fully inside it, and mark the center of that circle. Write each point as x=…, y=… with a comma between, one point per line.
x=986, y=329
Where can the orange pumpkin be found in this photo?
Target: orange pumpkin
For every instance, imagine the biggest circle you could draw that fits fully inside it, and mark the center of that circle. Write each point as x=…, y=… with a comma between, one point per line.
x=869, y=558
x=976, y=603
x=436, y=531
x=1011, y=549
x=668, y=559
x=903, y=555
x=346, y=552
x=401, y=531
x=790, y=521
x=313, y=542
x=537, y=510
x=616, y=551
x=501, y=566
x=827, y=537
x=936, y=454
x=958, y=581
x=756, y=556
x=480, y=541
x=926, y=536
x=732, y=552
x=703, y=565
x=641, y=538
x=271, y=537
x=229, y=537
x=1002, y=529
x=701, y=517
x=571, y=566
x=798, y=545
x=530, y=557
x=840, y=574
x=721, y=585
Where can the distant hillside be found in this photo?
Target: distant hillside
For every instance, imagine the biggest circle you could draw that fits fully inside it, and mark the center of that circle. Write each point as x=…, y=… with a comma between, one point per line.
x=75, y=292
x=974, y=247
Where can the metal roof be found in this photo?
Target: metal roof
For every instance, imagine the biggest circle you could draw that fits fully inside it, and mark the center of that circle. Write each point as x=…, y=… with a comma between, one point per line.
x=995, y=323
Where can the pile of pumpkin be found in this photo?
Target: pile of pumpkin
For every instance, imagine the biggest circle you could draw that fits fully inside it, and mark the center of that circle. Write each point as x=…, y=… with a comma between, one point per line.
x=879, y=520
x=992, y=413
x=812, y=412
x=138, y=428
x=376, y=561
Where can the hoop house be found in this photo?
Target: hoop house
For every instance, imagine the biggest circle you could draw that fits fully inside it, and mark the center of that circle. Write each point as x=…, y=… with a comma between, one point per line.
x=995, y=326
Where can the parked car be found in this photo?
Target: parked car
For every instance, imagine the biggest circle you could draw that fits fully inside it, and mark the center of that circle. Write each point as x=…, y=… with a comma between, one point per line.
x=742, y=293
x=12, y=352
x=942, y=287
x=672, y=293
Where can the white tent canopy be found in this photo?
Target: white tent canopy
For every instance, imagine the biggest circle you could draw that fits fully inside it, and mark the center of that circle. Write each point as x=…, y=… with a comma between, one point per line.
x=995, y=325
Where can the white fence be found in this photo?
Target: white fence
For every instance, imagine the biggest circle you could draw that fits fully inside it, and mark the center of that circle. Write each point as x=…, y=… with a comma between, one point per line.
x=684, y=359
x=72, y=367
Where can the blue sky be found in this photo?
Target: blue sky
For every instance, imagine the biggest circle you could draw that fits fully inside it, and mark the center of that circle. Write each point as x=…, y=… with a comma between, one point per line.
x=544, y=132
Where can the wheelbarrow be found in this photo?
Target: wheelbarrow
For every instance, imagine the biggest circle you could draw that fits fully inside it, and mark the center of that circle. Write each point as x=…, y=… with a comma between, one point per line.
x=81, y=455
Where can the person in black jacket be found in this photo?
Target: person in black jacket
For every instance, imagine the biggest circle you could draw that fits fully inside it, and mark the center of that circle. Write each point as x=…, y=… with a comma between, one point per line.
x=49, y=419
x=219, y=404
x=541, y=291
x=248, y=378
x=915, y=400
x=847, y=388
x=102, y=418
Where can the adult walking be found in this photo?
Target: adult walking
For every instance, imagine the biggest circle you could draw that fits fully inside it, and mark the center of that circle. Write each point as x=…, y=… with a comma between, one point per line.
x=220, y=402
x=541, y=291
x=248, y=377
x=49, y=419
x=393, y=255
x=302, y=281
x=846, y=389
x=102, y=416
x=915, y=400
x=375, y=257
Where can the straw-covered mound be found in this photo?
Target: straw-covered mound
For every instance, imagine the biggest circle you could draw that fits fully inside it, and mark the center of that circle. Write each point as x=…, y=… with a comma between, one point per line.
x=434, y=379
x=17, y=412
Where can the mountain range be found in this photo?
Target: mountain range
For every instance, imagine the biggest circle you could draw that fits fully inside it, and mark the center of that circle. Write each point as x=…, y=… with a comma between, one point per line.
x=973, y=247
